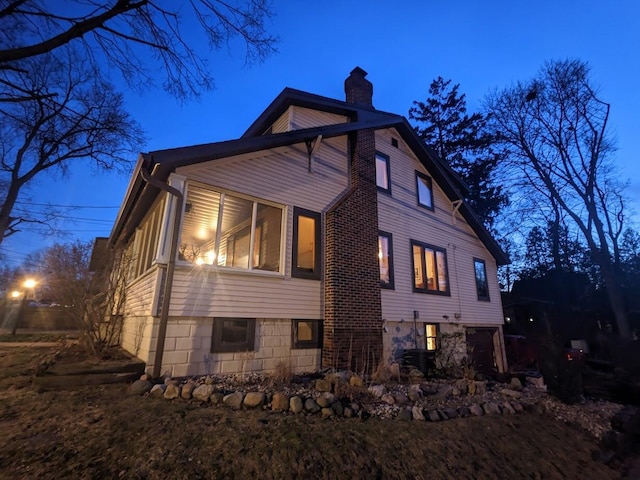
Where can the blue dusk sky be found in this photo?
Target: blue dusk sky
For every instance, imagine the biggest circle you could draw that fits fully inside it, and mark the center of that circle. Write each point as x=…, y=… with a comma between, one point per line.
x=482, y=45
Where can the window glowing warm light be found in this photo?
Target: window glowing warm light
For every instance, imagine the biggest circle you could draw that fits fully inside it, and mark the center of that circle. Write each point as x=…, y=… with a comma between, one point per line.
x=15, y=294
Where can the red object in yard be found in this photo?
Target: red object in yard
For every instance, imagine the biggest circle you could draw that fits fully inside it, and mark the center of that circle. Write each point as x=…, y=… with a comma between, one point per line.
x=521, y=353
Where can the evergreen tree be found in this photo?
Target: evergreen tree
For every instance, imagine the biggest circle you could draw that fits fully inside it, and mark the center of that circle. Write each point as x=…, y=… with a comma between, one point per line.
x=464, y=142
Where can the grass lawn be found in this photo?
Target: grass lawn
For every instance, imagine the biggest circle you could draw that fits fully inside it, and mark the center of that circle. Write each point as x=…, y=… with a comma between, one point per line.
x=100, y=432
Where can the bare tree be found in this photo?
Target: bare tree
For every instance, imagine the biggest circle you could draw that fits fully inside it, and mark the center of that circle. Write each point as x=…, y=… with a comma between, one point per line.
x=136, y=37
x=73, y=116
x=70, y=281
x=555, y=129
x=57, y=105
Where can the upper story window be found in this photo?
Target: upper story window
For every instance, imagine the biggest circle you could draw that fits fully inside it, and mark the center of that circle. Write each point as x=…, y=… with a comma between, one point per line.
x=385, y=259
x=430, y=274
x=306, y=244
x=425, y=190
x=383, y=172
x=229, y=230
x=482, y=285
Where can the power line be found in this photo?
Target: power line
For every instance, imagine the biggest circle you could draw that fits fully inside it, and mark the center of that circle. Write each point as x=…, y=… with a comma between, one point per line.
x=64, y=206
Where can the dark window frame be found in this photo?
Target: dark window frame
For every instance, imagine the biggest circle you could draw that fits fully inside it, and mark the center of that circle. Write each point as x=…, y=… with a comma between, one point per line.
x=387, y=161
x=482, y=298
x=295, y=271
x=218, y=346
x=391, y=284
x=316, y=328
x=421, y=176
x=423, y=266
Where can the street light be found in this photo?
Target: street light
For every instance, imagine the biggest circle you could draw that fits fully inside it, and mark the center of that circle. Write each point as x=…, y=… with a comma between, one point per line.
x=30, y=284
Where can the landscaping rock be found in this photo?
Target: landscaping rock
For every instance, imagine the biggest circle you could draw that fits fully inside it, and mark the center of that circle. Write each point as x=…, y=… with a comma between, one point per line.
x=517, y=406
x=187, y=390
x=140, y=387
x=507, y=392
x=279, y=402
x=464, y=412
x=157, y=391
x=417, y=414
x=405, y=415
x=456, y=392
x=326, y=412
x=295, y=404
x=476, y=410
x=443, y=393
x=233, y=400
x=400, y=398
x=394, y=370
x=216, y=398
x=515, y=382
x=508, y=408
x=310, y=405
x=208, y=380
x=325, y=399
x=337, y=408
x=415, y=375
x=323, y=385
x=356, y=381
x=348, y=412
x=433, y=415
x=202, y=393
x=377, y=390
x=491, y=408
x=451, y=412
x=537, y=381
x=172, y=391
x=388, y=399
x=254, y=399
x=415, y=395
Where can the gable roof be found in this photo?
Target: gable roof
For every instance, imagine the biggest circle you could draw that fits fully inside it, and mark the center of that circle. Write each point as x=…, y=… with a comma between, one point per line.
x=161, y=163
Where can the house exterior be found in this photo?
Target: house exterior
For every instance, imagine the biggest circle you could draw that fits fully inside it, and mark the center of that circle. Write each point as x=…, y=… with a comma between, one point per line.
x=327, y=235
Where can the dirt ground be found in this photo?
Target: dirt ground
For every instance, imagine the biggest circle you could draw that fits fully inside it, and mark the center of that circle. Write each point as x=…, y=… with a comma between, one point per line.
x=100, y=432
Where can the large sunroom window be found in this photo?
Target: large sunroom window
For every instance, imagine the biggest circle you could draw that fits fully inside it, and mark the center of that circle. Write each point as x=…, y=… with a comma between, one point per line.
x=229, y=230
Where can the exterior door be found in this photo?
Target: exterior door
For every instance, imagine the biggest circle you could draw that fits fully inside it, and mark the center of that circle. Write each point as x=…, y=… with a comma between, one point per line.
x=481, y=351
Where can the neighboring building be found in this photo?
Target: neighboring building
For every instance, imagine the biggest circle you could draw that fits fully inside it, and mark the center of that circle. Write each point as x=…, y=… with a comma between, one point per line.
x=327, y=235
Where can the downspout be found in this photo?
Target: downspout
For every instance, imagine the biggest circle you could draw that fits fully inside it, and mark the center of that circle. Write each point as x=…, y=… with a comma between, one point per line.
x=171, y=265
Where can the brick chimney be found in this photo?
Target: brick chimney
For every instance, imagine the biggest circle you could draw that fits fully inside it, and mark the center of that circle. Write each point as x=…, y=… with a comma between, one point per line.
x=353, y=311
x=358, y=89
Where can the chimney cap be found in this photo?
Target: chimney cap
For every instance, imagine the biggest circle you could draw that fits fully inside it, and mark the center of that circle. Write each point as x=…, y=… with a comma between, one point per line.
x=358, y=72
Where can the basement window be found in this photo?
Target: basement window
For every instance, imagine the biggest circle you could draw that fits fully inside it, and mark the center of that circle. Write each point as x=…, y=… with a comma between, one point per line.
x=233, y=335
x=431, y=336
x=306, y=334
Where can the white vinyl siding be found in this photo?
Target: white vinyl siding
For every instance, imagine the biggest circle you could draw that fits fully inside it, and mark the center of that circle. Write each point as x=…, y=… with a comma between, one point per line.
x=297, y=118
x=306, y=118
x=400, y=215
x=280, y=176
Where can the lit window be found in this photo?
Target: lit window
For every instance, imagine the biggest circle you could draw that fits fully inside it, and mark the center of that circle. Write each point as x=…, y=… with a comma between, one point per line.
x=431, y=336
x=425, y=190
x=230, y=231
x=306, y=334
x=385, y=259
x=233, y=335
x=429, y=269
x=482, y=286
x=306, y=244
x=383, y=172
